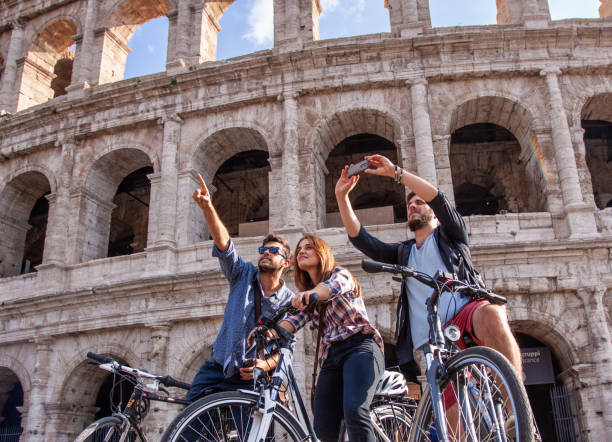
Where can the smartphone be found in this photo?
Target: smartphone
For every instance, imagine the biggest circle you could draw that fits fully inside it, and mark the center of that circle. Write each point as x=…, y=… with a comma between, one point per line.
x=358, y=168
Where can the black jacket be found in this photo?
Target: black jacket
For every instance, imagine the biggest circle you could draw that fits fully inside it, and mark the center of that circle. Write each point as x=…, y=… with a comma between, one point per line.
x=451, y=236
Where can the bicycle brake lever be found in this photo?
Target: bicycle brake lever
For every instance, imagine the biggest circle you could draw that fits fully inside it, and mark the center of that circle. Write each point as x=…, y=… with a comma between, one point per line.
x=160, y=388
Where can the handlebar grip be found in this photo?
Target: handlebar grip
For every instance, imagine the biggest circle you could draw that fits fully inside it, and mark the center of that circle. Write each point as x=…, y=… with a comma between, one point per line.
x=376, y=267
x=99, y=358
x=171, y=382
x=313, y=298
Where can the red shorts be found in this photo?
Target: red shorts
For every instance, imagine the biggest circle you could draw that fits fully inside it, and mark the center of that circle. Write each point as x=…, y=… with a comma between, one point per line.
x=463, y=320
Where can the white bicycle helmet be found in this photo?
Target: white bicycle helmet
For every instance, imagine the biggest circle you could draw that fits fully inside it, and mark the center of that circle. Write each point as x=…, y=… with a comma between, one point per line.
x=392, y=383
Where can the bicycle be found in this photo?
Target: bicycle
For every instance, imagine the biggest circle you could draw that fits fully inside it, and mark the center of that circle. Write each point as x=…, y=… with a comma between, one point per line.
x=260, y=414
x=491, y=400
x=125, y=425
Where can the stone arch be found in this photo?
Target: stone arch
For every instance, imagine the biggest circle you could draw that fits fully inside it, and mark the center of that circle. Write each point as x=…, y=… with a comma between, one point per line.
x=350, y=120
x=47, y=67
x=234, y=163
x=77, y=391
x=12, y=365
x=122, y=20
x=596, y=120
x=328, y=133
x=100, y=186
x=17, y=199
x=508, y=165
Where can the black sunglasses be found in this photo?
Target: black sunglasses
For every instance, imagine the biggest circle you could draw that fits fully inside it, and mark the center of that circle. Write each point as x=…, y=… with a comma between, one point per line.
x=273, y=250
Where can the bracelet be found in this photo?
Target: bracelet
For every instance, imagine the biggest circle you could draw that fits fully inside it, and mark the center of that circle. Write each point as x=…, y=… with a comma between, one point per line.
x=399, y=172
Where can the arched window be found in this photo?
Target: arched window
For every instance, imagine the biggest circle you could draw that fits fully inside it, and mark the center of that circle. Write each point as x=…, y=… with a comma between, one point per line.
x=241, y=198
x=11, y=398
x=130, y=217
x=598, y=145
x=346, y=18
x=47, y=67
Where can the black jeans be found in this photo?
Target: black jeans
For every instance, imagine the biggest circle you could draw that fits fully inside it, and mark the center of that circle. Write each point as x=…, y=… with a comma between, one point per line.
x=345, y=388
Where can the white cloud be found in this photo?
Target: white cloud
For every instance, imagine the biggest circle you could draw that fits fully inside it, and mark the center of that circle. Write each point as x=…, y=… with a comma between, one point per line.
x=356, y=10
x=151, y=49
x=261, y=22
x=329, y=5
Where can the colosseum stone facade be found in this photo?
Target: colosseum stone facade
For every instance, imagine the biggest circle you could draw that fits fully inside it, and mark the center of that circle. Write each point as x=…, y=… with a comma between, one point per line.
x=102, y=248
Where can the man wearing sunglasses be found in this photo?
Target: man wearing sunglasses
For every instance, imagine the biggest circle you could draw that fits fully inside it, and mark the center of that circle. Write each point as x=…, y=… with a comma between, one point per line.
x=254, y=290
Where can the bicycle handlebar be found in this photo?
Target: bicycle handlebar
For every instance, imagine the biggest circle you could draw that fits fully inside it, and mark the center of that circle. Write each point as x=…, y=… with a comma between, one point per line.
x=168, y=381
x=448, y=281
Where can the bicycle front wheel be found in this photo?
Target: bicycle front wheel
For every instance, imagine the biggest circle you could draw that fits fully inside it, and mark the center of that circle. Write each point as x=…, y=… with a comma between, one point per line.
x=230, y=416
x=483, y=398
x=107, y=429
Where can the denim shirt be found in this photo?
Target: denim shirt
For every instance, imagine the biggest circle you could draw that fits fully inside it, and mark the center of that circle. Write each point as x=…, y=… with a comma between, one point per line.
x=239, y=317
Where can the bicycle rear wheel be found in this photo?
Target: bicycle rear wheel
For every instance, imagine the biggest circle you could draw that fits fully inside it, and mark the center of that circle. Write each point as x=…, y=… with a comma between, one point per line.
x=391, y=422
x=483, y=398
x=107, y=429
x=230, y=416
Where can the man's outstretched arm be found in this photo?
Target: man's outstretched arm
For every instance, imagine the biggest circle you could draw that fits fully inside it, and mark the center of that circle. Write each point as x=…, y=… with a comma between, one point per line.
x=217, y=229
x=384, y=166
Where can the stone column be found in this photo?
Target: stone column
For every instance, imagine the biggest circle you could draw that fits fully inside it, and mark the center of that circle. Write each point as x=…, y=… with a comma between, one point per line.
x=290, y=161
x=580, y=219
x=443, y=165
x=56, y=241
x=166, y=210
x=584, y=175
x=600, y=415
x=179, y=34
x=605, y=10
x=408, y=18
x=9, y=88
x=34, y=425
x=295, y=23
x=162, y=414
x=426, y=166
x=82, y=77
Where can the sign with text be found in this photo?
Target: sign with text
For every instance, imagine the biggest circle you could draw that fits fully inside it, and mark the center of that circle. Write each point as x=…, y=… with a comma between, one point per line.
x=537, y=365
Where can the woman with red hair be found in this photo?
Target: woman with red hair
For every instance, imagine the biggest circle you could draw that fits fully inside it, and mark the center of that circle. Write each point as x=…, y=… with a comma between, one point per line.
x=351, y=357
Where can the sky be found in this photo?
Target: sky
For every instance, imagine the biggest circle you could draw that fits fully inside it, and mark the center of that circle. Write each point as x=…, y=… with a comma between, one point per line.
x=247, y=25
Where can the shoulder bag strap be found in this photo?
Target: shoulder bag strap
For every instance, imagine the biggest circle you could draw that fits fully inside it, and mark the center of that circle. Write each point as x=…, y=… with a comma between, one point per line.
x=321, y=308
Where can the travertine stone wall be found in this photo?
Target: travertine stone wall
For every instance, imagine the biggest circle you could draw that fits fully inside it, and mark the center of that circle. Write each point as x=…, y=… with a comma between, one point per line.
x=161, y=308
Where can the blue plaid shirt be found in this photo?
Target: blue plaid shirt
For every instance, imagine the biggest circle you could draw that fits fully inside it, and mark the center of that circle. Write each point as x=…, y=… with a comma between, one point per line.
x=239, y=317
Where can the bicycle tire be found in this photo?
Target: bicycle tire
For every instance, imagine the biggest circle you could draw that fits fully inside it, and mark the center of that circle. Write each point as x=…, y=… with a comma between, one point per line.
x=474, y=370
x=106, y=429
x=394, y=420
x=229, y=416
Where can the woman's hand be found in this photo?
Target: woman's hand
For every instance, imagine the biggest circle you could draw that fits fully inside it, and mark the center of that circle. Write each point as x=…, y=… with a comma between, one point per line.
x=382, y=166
x=269, y=334
x=246, y=373
x=301, y=299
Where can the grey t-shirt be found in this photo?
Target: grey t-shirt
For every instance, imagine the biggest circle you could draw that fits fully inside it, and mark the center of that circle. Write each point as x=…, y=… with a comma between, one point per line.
x=427, y=259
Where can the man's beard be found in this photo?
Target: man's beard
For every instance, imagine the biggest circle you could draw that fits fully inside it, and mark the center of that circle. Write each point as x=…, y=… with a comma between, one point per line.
x=268, y=267
x=421, y=221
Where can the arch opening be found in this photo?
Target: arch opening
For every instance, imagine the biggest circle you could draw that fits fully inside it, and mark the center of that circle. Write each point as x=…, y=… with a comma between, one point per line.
x=597, y=124
x=554, y=406
x=124, y=21
x=234, y=165
x=376, y=200
x=130, y=217
x=11, y=398
x=47, y=67
x=87, y=395
x=346, y=18
x=492, y=170
x=23, y=221
x=241, y=197
x=115, y=202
